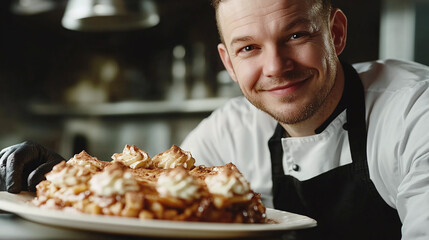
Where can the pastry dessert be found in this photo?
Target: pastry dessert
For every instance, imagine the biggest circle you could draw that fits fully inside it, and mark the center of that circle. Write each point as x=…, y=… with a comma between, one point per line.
x=168, y=186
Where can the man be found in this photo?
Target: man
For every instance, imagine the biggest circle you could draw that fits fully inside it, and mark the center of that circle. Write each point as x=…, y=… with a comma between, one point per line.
x=353, y=156
x=345, y=145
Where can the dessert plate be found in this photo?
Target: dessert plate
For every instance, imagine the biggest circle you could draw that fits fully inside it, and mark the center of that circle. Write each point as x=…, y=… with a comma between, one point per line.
x=19, y=204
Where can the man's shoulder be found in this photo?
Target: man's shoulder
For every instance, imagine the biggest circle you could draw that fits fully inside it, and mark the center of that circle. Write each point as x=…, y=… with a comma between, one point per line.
x=391, y=74
x=228, y=134
x=391, y=64
x=235, y=116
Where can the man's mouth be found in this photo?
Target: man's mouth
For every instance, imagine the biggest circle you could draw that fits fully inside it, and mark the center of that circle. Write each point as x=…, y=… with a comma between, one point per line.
x=287, y=88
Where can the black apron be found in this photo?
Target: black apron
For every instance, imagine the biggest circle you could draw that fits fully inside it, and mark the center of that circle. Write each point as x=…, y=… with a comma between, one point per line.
x=343, y=201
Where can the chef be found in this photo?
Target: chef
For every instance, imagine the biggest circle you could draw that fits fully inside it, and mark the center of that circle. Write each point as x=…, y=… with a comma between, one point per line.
x=346, y=145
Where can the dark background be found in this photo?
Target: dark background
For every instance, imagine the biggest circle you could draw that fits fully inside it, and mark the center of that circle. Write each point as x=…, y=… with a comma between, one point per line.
x=39, y=59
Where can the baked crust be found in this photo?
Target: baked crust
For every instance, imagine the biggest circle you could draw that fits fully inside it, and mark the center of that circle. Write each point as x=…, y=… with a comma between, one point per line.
x=168, y=186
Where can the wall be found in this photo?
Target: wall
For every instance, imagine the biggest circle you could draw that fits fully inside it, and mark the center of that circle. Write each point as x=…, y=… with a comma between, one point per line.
x=421, y=50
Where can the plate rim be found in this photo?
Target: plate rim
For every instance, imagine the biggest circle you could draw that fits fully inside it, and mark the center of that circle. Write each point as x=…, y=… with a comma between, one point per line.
x=19, y=204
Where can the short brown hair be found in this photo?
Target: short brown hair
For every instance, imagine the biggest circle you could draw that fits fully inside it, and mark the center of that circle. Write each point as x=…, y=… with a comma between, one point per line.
x=326, y=6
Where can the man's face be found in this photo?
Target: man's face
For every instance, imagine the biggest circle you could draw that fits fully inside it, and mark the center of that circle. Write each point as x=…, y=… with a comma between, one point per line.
x=281, y=53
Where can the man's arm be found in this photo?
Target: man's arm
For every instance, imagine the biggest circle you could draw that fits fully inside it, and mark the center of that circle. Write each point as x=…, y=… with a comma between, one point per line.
x=412, y=200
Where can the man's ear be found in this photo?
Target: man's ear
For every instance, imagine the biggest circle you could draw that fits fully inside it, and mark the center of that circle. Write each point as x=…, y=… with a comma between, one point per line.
x=339, y=30
x=226, y=60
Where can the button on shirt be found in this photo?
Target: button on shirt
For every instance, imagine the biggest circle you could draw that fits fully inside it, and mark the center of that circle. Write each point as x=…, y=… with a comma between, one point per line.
x=397, y=116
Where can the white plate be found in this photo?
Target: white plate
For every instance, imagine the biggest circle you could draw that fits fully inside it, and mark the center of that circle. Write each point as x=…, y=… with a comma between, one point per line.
x=19, y=205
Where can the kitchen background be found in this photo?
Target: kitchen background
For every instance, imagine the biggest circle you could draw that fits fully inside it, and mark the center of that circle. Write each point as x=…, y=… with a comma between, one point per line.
x=101, y=88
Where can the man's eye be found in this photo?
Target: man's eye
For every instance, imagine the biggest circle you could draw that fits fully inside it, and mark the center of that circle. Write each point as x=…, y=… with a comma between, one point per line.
x=247, y=48
x=298, y=35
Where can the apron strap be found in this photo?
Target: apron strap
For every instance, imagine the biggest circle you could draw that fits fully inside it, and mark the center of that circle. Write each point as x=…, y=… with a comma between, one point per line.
x=356, y=122
x=276, y=150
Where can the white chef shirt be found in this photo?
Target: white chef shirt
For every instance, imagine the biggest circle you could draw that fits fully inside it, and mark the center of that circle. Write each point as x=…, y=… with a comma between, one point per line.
x=397, y=115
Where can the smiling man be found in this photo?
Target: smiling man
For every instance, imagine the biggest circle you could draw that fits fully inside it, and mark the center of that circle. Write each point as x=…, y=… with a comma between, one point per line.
x=284, y=57
x=345, y=145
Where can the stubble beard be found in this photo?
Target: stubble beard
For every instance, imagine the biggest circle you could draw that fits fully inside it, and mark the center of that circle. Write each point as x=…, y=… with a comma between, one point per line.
x=290, y=117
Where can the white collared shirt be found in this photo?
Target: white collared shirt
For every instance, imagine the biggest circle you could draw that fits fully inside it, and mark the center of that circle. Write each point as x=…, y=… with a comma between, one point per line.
x=397, y=115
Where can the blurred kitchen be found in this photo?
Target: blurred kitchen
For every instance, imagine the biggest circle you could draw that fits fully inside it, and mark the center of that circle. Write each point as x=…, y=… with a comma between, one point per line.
x=96, y=75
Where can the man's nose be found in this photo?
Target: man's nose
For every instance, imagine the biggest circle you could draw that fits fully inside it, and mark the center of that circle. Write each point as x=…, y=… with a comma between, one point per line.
x=276, y=62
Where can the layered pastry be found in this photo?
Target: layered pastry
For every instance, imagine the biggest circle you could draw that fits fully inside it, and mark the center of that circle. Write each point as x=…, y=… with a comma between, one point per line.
x=168, y=186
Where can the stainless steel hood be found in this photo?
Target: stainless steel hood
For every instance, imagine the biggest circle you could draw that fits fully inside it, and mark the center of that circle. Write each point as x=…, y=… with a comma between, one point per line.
x=110, y=15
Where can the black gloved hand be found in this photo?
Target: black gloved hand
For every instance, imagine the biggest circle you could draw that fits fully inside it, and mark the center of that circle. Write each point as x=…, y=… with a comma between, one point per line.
x=24, y=165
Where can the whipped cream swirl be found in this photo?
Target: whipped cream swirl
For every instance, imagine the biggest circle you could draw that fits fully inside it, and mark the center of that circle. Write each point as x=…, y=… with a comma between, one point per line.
x=174, y=157
x=85, y=160
x=178, y=183
x=227, y=183
x=113, y=180
x=133, y=157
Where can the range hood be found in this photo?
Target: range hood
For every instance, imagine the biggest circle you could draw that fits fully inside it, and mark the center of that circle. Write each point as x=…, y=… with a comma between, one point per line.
x=109, y=15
